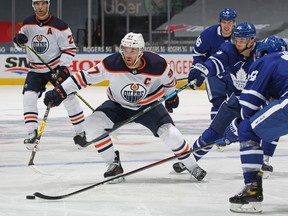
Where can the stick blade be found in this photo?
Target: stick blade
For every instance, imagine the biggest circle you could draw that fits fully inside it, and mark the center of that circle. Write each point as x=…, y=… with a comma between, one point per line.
x=47, y=197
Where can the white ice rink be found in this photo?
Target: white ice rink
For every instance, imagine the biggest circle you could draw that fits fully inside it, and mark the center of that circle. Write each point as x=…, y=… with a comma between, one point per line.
x=151, y=192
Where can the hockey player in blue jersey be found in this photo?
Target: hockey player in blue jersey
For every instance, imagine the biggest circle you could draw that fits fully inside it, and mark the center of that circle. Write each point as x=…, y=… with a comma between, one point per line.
x=231, y=62
x=208, y=44
x=268, y=81
x=230, y=109
x=269, y=45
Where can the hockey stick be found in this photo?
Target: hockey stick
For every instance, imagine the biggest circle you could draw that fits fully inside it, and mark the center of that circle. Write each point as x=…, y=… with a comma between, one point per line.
x=37, y=141
x=47, y=197
x=51, y=69
x=140, y=113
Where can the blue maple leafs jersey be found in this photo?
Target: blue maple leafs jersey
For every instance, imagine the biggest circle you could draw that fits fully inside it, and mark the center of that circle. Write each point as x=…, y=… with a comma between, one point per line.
x=208, y=43
x=268, y=80
x=231, y=66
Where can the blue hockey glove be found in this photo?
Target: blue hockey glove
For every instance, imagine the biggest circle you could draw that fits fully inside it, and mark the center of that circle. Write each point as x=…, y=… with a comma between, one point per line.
x=198, y=72
x=231, y=132
x=172, y=103
x=20, y=39
x=62, y=73
x=55, y=96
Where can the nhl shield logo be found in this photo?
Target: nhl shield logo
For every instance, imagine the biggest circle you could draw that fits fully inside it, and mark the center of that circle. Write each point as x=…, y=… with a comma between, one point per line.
x=133, y=92
x=40, y=44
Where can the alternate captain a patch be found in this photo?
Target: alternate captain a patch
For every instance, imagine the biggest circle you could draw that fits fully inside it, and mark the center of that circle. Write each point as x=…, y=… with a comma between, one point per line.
x=133, y=92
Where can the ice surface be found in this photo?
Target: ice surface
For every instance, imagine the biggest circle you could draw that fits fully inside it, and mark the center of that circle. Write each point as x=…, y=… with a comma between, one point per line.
x=151, y=192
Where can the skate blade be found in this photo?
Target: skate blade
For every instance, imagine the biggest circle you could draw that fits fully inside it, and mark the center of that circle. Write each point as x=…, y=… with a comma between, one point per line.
x=79, y=147
x=30, y=147
x=252, y=207
x=117, y=181
x=173, y=172
x=220, y=148
x=266, y=175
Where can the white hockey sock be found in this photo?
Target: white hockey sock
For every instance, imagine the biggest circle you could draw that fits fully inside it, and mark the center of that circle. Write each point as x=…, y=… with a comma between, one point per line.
x=172, y=137
x=30, y=111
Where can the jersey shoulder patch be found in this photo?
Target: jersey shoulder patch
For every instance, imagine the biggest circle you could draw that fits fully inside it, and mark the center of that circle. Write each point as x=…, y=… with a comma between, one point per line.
x=57, y=23
x=114, y=63
x=154, y=64
x=30, y=20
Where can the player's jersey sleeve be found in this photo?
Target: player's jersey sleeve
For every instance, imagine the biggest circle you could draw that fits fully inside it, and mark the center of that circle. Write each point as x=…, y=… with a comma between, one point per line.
x=217, y=63
x=169, y=80
x=67, y=47
x=202, y=48
x=207, y=44
x=84, y=78
x=199, y=51
x=254, y=94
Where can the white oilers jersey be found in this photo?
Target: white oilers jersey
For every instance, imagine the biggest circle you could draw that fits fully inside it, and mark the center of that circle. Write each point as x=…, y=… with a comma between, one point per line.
x=130, y=88
x=52, y=40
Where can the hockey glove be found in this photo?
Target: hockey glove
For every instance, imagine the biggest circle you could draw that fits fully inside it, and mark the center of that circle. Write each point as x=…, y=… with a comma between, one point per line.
x=62, y=73
x=55, y=96
x=20, y=39
x=231, y=132
x=172, y=103
x=198, y=72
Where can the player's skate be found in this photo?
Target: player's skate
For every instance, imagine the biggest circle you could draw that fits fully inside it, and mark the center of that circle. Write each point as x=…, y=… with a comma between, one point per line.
x=30, y=140
x=179, y=167
x=115, y=169
x=80, y=140
x=266, y=167
x=198, y=173
x=221, y=146
x=249, y=199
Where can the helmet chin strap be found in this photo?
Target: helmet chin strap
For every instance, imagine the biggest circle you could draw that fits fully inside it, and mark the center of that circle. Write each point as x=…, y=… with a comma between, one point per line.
x=246, y=48
x=136, y=61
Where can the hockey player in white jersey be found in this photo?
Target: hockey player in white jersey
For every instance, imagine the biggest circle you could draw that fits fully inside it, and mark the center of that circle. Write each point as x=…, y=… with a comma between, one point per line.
x=52, y=40
x=137, y=80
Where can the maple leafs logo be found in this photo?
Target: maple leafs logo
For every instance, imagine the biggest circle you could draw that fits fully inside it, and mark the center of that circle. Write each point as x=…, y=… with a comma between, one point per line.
x=239, y=79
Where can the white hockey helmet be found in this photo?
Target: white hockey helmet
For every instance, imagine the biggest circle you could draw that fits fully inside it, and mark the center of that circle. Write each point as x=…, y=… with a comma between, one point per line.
x=133, y=40
x=33, y=1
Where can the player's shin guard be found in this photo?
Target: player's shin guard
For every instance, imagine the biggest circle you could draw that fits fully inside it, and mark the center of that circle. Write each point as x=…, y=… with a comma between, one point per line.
x=179, y=167
x=250, y=198
x=30, y=117
x=213, y=112
x=172, y=137
x=197, y=144
x=112, y=159
x=209, y=135
x=75, y=113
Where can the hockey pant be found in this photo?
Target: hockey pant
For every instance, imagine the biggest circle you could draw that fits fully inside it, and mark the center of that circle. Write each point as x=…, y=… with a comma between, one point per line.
x=216, y=92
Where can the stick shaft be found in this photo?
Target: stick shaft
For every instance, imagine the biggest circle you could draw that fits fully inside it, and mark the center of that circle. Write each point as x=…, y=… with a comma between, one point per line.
x=43, y=196
x=40, y=132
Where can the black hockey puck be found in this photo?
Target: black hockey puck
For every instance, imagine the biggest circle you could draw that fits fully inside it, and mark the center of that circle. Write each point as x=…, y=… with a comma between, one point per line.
x=30, y=197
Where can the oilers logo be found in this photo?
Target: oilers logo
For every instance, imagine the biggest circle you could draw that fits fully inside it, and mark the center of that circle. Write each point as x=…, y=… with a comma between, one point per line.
x=40, y=44
x=133, y=92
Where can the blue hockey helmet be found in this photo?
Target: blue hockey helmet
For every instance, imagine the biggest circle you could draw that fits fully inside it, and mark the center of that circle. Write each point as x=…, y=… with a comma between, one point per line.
x=244, y=30
x=270, y=45
x=227, y=14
